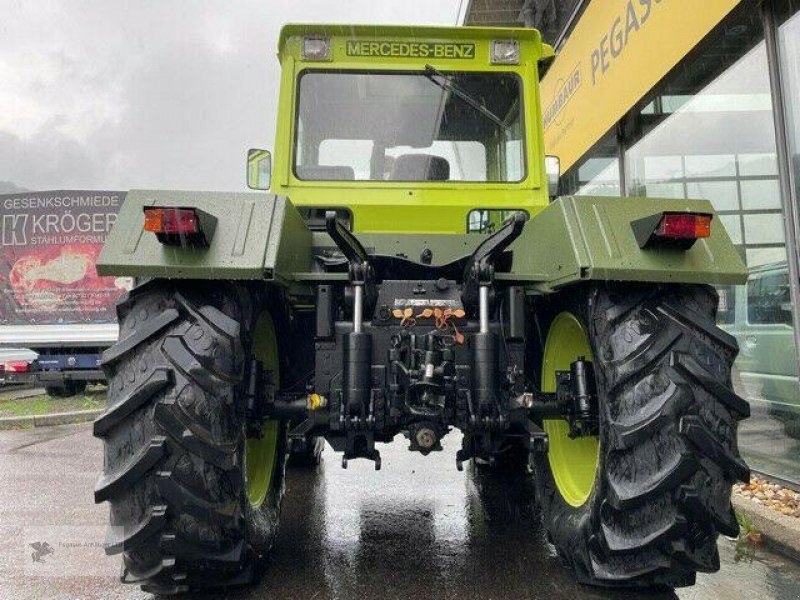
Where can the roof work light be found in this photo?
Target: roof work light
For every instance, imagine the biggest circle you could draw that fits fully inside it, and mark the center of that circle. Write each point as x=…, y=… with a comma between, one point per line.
x=316, y=49
x=505, y=52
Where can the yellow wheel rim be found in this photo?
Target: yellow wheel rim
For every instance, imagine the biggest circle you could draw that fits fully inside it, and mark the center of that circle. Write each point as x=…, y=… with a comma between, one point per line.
x=259, y=460
x=261, y=453
x=573, y=462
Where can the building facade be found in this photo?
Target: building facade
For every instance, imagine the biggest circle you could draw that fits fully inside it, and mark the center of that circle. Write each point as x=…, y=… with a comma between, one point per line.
x=683, y=99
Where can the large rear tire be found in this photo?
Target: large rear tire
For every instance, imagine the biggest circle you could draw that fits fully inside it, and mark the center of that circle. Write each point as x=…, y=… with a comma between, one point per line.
x=194, y=489
x=642, y=504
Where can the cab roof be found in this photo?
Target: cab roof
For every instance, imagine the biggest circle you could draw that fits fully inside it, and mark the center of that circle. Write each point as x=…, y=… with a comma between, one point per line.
x=411, y=32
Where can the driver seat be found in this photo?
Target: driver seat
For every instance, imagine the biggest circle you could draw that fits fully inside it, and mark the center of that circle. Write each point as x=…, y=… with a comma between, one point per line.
x=420, y=167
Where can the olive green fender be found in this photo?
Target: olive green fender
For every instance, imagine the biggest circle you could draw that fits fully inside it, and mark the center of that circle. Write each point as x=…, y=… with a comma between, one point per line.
x=574, y=239
x=257, y=236
x=581, y=238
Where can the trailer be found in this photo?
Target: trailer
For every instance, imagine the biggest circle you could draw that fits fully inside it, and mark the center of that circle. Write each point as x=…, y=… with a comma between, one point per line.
x=52, y=301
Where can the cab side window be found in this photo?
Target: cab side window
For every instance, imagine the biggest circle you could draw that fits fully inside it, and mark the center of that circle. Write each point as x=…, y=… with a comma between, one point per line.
x=768, y=301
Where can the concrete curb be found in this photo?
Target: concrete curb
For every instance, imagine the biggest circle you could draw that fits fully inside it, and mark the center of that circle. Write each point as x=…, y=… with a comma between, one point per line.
x=9, y=395
x=781, y=533
x=65, y=418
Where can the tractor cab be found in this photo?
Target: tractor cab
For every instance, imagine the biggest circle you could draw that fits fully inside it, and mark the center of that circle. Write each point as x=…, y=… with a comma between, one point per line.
x=441, y=124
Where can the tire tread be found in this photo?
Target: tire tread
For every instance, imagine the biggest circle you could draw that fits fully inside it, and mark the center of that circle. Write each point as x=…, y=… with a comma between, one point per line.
x=664, y=484
x=171, y=427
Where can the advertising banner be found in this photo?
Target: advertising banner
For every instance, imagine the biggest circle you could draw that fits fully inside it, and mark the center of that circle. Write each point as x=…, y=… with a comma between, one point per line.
x=49, y=243
x=617, y=52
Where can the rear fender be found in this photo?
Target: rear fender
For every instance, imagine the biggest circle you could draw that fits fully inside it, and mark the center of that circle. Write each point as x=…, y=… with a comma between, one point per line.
x=582, y=238
x=257, y=237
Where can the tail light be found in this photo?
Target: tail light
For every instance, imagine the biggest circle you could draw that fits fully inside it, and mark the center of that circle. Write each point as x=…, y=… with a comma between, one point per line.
x=684, y=226
x=672, y=229
x=14, y=366
x=180, y=226
x=171, y=221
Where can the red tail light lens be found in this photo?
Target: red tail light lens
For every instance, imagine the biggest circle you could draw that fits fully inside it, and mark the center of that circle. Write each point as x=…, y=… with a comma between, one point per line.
x=171, y=221
x=677, y=230
x=684, y=226
x=14, y=366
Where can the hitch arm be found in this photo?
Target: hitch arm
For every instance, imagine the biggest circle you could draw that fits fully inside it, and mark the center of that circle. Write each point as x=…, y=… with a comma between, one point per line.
x=345, y=241
x=480, y=266
x=362, y=276
x=477, y=290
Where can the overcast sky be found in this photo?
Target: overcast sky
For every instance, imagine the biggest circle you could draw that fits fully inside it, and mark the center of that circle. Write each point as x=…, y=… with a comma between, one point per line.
x=120, y=94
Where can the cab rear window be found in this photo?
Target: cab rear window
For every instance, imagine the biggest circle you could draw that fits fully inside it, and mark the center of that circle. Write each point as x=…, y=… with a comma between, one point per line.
x=424, y=126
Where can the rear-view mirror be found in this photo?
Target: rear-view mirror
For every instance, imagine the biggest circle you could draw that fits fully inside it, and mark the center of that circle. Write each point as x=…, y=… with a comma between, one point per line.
x=259, y=169
x=552, y=167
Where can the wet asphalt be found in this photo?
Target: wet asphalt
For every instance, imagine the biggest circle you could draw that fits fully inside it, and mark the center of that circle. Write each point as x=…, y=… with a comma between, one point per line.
x=416, y=529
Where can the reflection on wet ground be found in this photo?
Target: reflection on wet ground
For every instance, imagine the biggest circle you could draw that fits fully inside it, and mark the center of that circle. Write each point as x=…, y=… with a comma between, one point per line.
x=416, y=529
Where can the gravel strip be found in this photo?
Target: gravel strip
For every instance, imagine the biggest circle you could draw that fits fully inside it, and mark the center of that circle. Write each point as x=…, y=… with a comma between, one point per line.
x=19, y=394
x=772, y=495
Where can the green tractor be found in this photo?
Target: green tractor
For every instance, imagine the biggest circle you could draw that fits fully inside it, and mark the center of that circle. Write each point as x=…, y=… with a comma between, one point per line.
x=412, y=272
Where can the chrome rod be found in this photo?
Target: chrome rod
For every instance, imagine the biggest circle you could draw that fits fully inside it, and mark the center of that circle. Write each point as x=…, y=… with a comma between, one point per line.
x=358, y=308
x=483, y=306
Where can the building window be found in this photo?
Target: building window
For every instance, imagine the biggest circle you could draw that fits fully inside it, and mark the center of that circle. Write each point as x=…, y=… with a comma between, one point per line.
x=597, y=174
x=707, y=131
x=789, y=41
x=768, y=301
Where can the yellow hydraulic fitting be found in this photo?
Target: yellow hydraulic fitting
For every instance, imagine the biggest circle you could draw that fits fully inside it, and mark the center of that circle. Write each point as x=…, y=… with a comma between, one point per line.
x=316, y=401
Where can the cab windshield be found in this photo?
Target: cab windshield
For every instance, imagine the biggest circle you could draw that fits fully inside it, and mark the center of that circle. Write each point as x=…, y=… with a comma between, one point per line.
x=427, y=126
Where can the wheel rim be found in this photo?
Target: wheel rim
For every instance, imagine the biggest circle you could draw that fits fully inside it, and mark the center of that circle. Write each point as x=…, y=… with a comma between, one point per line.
x=573, y=462
x=261, y=452
x=259, y=458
